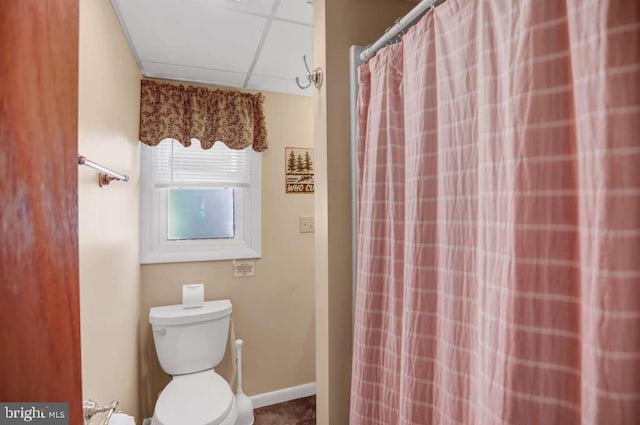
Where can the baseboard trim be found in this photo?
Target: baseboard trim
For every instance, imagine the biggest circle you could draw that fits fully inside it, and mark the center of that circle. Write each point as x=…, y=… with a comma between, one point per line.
x=285, y=394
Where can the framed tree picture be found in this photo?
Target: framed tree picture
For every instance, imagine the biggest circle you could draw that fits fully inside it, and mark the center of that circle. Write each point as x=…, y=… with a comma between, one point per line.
x=299, y=170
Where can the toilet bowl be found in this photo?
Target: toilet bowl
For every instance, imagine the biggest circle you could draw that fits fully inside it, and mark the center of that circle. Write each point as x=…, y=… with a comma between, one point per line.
x=189, y=344
x=198, y=398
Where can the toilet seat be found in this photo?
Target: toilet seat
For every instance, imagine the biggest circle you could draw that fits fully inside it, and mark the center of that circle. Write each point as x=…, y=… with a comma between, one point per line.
x=202, y=398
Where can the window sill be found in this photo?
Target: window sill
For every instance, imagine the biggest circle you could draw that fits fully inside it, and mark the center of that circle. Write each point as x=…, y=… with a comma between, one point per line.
x=189, y=257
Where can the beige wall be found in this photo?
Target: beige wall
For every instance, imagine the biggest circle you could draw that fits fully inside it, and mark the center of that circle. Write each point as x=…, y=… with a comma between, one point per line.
x=338, y=24
x=274, y=311
x=108, y=229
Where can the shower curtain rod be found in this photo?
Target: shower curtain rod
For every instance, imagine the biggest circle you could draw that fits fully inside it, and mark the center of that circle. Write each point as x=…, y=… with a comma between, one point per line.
x=399, y=27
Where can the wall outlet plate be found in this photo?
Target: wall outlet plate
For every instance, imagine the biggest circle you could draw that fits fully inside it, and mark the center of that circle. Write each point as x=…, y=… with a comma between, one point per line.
x=244, y=268
x=307, y=224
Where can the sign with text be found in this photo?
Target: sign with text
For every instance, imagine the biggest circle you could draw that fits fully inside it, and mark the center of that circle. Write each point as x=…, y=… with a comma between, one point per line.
x=34, y=413
x=299, y=170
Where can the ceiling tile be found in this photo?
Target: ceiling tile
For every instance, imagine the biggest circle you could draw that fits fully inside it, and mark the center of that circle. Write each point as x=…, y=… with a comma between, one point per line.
x=185, y=73
x=296, y=10
x=277, y=85
x=191, y=33
x=262, y=7
x=216, y=41
x=283, y=49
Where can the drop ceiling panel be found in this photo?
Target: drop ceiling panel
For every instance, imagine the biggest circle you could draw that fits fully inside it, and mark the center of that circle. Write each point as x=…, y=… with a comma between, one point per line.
x=186, y=73
x=280, y=85
x=296, y=10
x=262, y=7
x=190, y=33
x=283, y=49
x=237, y=43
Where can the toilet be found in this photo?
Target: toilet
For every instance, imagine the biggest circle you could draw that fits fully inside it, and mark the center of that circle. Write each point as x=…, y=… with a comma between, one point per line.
x=190, y=342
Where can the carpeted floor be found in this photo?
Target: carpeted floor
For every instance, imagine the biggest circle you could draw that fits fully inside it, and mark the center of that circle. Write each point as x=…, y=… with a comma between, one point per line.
x=296, y=412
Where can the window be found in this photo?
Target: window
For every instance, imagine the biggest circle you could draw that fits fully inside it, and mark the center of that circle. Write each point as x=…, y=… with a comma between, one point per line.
x=199, y=205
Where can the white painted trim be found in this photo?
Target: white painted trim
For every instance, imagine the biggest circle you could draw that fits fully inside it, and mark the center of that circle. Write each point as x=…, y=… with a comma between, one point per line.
x=285, y=394
x=354, y=63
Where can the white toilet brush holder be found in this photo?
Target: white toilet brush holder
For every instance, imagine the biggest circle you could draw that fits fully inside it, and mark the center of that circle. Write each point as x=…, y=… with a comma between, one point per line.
x=245, y=406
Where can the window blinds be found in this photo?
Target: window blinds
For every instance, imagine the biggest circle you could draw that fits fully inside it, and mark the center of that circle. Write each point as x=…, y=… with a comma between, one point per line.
x=175, y=165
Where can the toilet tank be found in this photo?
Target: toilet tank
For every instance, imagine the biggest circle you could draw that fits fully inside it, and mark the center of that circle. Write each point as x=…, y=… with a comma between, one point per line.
x=190, y=340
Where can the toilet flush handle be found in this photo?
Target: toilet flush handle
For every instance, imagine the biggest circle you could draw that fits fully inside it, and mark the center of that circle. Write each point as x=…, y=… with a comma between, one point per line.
x=160, y=331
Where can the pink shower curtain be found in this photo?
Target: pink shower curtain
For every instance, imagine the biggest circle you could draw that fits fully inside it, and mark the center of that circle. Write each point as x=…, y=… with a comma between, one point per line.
x=498, y=266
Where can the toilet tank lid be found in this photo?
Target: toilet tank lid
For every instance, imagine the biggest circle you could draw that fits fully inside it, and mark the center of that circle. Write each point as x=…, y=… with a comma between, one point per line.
x=178, y=315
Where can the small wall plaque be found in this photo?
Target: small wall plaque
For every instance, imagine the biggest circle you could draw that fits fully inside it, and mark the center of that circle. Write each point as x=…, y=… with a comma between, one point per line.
x=299, y=170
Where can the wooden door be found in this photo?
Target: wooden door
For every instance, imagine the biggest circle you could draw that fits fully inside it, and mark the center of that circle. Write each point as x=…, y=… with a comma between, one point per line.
x=39, y=307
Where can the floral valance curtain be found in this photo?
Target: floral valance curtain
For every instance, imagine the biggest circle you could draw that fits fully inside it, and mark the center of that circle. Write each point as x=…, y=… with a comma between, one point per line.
x=184, y=113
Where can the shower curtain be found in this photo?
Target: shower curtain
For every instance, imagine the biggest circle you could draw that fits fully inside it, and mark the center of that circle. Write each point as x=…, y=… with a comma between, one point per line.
x=498, y=259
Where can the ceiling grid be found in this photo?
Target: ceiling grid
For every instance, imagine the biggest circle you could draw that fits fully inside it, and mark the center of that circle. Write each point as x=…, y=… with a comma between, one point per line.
x=255, y=44
x=265, y=33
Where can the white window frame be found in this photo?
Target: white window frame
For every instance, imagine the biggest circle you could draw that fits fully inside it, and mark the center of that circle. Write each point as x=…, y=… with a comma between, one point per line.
x=156, y=248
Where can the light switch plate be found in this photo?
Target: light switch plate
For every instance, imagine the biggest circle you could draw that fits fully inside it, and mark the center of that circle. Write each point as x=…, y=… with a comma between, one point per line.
x=244, y=268
x=307, y=224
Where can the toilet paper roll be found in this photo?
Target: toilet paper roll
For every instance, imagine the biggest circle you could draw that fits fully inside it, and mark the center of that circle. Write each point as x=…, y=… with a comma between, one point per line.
x=193, y=295
x=121, y=419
